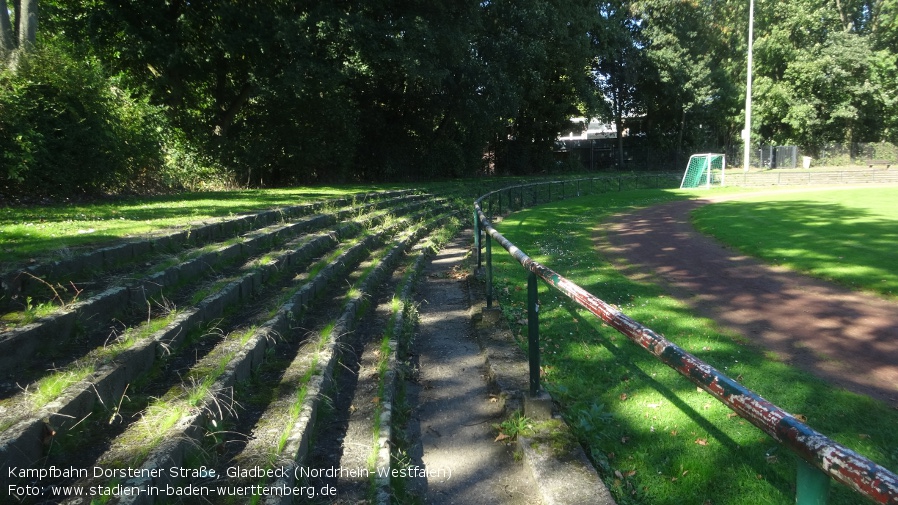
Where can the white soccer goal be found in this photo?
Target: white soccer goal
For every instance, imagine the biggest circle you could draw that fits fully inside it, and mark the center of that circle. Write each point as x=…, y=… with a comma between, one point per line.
x=704, y=170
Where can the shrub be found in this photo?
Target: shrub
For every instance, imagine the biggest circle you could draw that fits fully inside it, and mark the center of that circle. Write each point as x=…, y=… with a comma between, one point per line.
x=67, y=130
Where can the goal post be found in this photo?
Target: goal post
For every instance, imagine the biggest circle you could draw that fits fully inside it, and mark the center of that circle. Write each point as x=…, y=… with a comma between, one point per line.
x=700, y=171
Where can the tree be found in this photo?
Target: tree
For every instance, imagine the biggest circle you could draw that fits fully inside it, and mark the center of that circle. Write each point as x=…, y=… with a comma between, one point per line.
x=538, y=55
x=821, y=77
x=618, y=63
x=20, y=36
x=690, y=96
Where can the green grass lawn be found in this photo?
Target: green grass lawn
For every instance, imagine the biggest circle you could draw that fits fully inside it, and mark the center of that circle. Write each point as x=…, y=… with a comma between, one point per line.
x=654, y=436
x=848, y=236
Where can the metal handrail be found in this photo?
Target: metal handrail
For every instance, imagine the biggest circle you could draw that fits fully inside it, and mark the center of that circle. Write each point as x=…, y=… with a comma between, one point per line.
x=820, y=452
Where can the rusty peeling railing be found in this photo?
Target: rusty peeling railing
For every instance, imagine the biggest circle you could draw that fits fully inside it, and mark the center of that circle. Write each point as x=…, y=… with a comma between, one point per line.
x=820, y=458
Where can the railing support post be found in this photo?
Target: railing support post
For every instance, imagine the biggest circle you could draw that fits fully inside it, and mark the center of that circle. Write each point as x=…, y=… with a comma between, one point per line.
x=533, y=332
x=477, y=238
x=812, y=486
x=489, y=271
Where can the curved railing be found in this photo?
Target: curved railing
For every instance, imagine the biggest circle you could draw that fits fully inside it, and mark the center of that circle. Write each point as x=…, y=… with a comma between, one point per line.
x=817, y=452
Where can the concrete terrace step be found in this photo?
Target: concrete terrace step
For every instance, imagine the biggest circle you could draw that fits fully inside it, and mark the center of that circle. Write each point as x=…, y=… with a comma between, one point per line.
x=233, y=359
x=19, y=282
x=18, y=345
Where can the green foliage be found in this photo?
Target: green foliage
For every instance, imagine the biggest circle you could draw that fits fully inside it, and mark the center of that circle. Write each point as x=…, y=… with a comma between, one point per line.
x=516, y=424
x=167, y=94
x=64, y=129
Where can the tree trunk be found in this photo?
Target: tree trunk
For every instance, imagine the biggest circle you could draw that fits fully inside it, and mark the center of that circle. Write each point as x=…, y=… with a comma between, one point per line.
x=27, y=24
x=680, y=136
x=227, y=113
x=619, y=126
x=846, y=25
x=20, y=36
x=7, y=35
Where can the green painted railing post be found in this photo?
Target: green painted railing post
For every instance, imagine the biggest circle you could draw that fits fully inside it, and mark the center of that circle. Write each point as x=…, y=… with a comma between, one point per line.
x=489, y=271
x=812, y=486
x=533, y=332
x=477, y=238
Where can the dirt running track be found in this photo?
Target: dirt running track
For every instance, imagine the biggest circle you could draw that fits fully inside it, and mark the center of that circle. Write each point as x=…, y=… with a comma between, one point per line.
x=847, y=338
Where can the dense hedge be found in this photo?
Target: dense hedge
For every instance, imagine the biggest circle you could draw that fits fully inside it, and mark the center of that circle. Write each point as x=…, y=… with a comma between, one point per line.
x=65, y=129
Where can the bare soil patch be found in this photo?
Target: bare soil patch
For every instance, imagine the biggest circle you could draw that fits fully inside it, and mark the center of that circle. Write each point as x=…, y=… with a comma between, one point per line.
x=847, y=338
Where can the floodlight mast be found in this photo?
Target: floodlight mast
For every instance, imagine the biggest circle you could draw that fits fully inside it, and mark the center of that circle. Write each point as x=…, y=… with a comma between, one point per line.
x=746, y=133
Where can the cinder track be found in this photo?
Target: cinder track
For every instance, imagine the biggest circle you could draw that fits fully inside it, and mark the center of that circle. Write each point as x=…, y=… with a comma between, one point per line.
x=847, y=338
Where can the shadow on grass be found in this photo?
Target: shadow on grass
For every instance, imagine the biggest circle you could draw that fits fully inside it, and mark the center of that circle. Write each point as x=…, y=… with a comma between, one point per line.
x=846, y=245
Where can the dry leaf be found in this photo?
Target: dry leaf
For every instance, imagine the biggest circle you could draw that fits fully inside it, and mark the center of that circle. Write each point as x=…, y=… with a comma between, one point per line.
x=501, y=437
x=623, y=397
x=801, y=417
x=624, y=440
x=732, y=415
x=673, y=433
x=630, y=473
x=701, y=441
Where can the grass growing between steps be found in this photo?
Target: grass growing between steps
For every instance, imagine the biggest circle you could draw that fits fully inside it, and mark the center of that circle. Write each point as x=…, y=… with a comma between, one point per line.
x=845, y=236
x=655, y=438
x=197, y=389
x=302, y=391
x=403, y=307
x=52, y=385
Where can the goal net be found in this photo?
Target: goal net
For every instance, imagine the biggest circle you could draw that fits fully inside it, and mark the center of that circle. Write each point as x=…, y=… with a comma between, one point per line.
x=704, y=170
